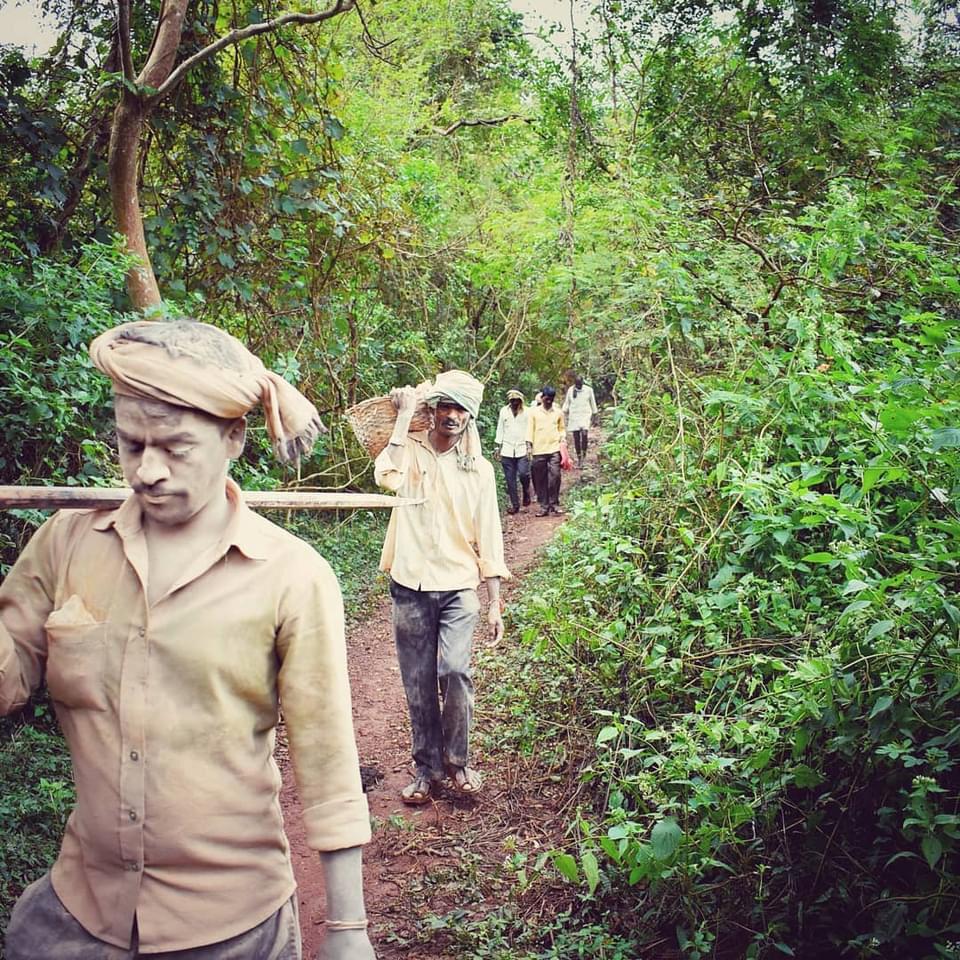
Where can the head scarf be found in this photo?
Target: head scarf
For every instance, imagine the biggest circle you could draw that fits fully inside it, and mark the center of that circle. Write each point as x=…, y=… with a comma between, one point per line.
x=467, y=392
x=514, y=395
x=198, y=366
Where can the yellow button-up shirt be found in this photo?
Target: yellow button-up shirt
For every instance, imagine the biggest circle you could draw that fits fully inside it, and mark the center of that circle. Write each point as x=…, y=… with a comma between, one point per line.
x=545, y=430
x=170, y=711
x=453, y=538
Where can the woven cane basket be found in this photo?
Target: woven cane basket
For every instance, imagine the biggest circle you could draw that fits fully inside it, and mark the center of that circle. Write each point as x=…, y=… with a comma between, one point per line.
x=372, y=421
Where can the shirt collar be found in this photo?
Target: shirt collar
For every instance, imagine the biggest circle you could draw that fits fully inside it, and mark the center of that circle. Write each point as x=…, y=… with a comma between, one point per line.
x=423, y=438
x=244, y=530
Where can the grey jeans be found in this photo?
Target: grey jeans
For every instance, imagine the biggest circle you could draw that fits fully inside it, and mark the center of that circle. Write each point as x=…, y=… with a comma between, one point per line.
x=41, y=928
x=433, y=632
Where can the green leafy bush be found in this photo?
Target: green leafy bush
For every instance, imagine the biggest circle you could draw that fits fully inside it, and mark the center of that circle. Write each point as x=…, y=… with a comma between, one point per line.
x=55, y=411
x=755, y=624
x=36, y=795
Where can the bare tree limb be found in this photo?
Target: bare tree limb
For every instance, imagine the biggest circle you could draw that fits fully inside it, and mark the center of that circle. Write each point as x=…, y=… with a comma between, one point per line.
x=123, y=37
x=139, y=98
x=245, y=33
x=483, y=122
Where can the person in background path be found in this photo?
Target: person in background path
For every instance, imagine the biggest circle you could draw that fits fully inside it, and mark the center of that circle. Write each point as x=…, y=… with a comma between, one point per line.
x=511, y=441
x=436, y=553
x=169, y=631
x=545, y=433
x=580, y=410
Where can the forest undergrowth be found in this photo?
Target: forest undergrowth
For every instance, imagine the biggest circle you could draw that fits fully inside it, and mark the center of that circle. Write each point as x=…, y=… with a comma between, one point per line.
x=745, y=645
x=741, y=222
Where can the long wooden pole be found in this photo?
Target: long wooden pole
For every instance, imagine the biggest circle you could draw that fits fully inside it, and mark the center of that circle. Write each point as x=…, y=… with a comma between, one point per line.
x=109, y=498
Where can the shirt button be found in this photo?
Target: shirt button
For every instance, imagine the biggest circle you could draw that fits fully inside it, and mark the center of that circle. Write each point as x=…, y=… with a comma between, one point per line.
x=133, y=867
x=141, y=632
x=133, y=814
x=134, y=756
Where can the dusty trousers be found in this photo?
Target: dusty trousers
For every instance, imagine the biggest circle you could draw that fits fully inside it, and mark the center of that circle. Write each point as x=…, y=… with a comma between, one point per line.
x=41, y=928
x=433, y=633
x=546, y=478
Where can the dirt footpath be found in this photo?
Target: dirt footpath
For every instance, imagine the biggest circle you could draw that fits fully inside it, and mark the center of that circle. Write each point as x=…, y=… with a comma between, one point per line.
x=413, y=847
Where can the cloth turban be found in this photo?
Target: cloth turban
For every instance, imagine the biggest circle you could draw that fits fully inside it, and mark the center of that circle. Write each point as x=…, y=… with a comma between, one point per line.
x=514, y=395
x=458, y=386
x=467, y=392
x=198, y=366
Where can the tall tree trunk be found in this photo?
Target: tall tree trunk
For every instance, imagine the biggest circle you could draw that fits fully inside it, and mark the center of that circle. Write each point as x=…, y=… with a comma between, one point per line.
x=139, y=98
x=125, y=198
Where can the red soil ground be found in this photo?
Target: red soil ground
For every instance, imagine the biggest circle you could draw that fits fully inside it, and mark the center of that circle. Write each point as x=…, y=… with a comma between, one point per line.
x=414, y=848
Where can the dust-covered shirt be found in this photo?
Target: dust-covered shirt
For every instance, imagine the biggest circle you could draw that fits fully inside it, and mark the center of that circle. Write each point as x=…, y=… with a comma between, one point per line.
x=453, y=538
x=170, y=711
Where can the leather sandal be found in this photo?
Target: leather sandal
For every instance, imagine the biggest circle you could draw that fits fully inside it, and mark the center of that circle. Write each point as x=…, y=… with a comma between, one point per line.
x=464, y=781
x=417, y=792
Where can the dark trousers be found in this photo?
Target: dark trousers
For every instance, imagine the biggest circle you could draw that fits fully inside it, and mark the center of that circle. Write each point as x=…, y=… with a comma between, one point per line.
x=516, y=468
x=546, y=479
x=433, y=632
x=580, y=439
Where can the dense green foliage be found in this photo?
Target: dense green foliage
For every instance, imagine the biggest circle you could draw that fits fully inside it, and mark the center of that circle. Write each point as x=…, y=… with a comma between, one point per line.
x=35, y=802
x=741, y=220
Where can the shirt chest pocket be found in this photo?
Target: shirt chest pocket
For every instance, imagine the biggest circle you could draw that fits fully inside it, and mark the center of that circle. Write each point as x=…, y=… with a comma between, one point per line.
x=76, y=653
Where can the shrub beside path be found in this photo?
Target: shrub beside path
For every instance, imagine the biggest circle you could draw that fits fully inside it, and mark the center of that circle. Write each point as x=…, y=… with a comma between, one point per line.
x=447, y=855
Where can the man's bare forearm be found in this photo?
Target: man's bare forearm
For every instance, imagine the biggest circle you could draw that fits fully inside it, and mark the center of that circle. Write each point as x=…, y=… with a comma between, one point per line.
x=343, y=878
x=405, y=400
x=347, y=937
x=494, y=615
x=398, y=438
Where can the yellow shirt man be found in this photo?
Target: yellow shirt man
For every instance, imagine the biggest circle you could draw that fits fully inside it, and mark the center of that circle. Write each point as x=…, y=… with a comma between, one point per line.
x=545, y=433
x=545, y=430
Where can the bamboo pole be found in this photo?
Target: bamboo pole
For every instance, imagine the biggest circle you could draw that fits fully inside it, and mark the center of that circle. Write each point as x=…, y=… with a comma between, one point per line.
x=109, y=498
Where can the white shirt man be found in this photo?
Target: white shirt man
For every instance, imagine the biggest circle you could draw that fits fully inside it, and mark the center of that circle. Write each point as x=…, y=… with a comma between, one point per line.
x=580, y=410
x=436, y=553
x=511, y=441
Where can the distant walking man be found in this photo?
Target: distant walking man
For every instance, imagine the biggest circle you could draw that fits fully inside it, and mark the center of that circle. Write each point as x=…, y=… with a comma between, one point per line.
x=545, y=433
x=436, y=553
x=511, y=441
x=580, y=410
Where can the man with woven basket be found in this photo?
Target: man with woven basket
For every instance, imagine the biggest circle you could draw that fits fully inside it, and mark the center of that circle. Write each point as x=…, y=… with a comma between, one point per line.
x=437, y=552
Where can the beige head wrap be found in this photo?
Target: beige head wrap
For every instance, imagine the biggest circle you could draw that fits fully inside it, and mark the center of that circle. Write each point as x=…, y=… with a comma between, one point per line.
x=196, y=365
x=465, y=391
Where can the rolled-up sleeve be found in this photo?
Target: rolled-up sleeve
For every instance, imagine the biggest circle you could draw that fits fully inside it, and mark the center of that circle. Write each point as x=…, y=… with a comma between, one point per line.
x=489, y=533
x=26, y=599
x=315, y=697
x=386, y=473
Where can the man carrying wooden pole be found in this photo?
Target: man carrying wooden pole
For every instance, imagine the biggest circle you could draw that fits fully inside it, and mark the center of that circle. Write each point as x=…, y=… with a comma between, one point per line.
x=168, y=631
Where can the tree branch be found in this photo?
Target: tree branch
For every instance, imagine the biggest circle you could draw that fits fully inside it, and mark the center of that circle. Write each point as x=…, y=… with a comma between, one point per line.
x=483, y=122
x=245, y=33
x=123, y=37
